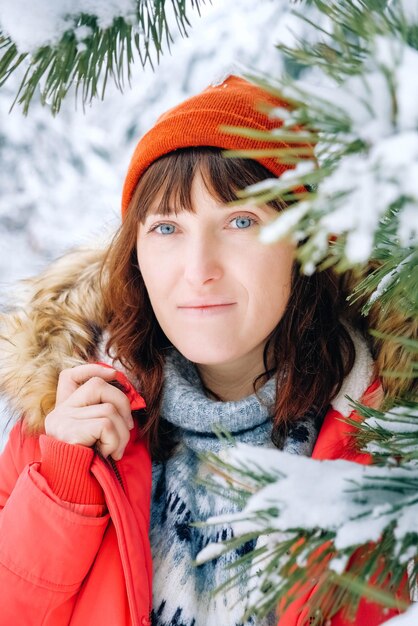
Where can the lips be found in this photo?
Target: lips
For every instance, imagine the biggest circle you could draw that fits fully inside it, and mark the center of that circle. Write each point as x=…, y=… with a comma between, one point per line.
x=206, y=308
x=205, y=304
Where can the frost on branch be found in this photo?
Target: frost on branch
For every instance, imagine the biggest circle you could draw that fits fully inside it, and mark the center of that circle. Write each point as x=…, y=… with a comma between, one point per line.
x=83, y=43
x=307, y=513
x=410, y=618
x=47, y=21
x=319, y=495
x=377, y=172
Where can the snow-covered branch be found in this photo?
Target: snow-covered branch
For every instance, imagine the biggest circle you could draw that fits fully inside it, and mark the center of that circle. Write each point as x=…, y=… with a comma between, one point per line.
x=308, y=513
x=82, y=43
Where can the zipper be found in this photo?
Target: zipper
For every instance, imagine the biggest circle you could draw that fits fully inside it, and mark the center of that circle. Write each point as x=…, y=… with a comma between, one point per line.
x=115, y=468
x=115, y=506
x=111, y=461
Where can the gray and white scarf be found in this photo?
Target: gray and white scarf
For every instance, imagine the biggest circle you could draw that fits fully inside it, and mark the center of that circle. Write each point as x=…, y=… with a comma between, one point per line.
x=183, y=593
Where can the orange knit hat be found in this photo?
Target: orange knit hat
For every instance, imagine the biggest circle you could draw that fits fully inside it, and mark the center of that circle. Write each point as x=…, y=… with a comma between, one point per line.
x=197, y=121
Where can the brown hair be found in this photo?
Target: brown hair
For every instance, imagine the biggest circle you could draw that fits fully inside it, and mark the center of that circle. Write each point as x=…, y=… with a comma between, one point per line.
x=310, y=343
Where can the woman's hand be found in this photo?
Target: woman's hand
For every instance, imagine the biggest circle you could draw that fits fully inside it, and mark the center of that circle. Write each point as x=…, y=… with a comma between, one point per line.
x=90, y=411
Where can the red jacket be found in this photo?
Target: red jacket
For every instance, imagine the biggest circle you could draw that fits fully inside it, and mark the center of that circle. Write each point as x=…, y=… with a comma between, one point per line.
x=66, y=559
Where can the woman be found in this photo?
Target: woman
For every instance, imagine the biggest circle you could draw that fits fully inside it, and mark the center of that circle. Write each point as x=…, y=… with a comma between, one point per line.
x=214, y=330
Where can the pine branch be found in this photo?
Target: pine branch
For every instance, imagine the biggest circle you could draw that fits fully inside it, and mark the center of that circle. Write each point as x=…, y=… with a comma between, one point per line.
x=290, y=553
x=87, y=55
x=361, y=207
x=394, y=280
x=392, y=435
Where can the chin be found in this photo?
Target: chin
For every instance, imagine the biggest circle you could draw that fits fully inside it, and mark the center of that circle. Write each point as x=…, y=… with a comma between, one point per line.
x=208, y=355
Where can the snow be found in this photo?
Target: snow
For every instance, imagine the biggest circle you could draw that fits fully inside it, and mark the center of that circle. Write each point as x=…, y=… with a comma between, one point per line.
x=408, y=225
x=320, y=494
x=398, y=420
x=372, y=183
x=34, y=24
x=389, y=280
x=409, y=618
x=399, y=427
x=210, y=552
x=338, y=563
x=409, y=9
x=61, y=179
x=282, y=228
x=292, y=29
x=355, y=197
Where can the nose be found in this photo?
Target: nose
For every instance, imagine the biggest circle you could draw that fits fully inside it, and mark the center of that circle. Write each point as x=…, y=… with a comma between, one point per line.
x=202, y=261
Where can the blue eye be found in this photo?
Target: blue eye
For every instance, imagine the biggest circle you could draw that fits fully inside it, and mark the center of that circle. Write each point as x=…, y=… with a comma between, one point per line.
x=165, y=229
x=242, y=221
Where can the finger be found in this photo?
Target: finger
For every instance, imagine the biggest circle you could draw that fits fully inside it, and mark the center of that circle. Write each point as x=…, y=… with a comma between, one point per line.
x=115, y=424
x=98, y=391
x=103, y=433
x=111, y=442
x=63, y=417
x=88, y=425
x=71, y=378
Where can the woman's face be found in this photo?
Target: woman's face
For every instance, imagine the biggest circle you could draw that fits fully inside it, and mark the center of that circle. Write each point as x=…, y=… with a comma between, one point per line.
x=216, y=290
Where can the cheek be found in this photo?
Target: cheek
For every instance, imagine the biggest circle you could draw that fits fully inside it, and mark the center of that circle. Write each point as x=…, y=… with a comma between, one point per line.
x=152, y=276
x=159, y=279
x=271, y=273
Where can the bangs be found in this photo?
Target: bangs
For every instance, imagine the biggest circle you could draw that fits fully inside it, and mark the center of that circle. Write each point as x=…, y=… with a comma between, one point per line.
x=165, y=187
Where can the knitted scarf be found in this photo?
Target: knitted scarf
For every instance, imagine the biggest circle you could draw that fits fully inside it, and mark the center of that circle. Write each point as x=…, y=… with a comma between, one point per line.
x=183, y=593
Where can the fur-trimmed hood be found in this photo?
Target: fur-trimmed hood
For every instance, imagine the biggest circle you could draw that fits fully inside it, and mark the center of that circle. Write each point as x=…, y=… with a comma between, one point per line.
x=58, y=320
x=56, y=323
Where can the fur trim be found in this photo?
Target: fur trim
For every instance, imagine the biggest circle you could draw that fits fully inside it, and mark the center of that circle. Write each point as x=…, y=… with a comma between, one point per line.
x=391, y=355
x=357, y=381
x=57, y=324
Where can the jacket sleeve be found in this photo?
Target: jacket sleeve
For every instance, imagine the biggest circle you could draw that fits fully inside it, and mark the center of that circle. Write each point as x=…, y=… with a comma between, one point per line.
x=50, y=527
